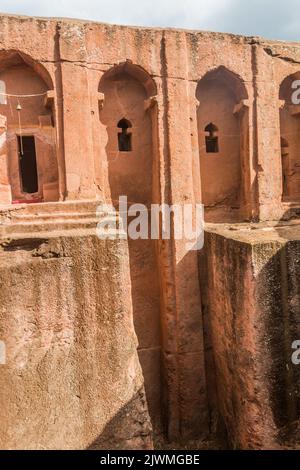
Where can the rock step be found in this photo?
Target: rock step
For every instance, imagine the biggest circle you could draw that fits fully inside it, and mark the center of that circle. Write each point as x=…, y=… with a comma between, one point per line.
x=75, y=207
x=20, y=218
x=49, y=226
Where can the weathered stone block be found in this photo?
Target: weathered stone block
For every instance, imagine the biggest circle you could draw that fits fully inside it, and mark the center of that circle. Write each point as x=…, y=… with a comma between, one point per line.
x=252, y=308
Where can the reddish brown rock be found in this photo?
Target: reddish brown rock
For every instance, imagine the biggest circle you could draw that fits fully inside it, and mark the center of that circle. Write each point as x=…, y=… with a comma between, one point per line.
x=252, y=310
x=89, y=112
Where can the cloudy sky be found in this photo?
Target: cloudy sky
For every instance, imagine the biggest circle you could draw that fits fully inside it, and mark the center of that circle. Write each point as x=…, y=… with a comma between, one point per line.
x=274, y=19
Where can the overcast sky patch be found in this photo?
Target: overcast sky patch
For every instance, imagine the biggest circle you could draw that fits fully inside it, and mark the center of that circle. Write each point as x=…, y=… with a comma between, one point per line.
x=269, y=18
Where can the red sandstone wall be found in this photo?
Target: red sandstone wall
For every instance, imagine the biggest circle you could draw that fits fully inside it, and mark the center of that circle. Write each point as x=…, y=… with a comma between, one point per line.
x=249, y=286
x=72, y=378
x=77, y=56
x=237, y=359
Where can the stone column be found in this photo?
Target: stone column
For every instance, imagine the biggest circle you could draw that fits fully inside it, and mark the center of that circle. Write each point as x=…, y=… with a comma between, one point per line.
x=267, y=136
x=247, y=192
x=77, y=125
x=53, y=101
x=180, y=184
x=5, y=189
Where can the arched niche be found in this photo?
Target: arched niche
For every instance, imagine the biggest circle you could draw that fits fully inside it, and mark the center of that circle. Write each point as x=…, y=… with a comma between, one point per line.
x=289, y=115
x=126, y=89
x=28, y=133
x=223, y=144
x=127, y=106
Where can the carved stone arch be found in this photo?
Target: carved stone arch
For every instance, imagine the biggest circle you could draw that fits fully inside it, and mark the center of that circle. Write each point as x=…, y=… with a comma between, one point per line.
x=135, y=71
x=224, y=156
x=30, y=141
x=289, y=115
x=13, y=57
x=229, y=79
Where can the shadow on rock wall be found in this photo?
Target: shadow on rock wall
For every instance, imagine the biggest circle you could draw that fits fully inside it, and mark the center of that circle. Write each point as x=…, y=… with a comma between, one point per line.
x=278, y=294
x=129, y=429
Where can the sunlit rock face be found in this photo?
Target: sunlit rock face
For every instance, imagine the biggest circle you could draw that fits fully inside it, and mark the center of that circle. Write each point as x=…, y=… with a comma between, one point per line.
x=111, y=342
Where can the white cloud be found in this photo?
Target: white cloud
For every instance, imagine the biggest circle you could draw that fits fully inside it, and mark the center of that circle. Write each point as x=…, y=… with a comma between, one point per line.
x=256, y=17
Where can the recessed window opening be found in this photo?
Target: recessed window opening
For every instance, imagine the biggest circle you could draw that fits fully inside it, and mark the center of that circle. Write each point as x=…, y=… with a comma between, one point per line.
x=211, y=140
x=27, y=162
x=124, y=137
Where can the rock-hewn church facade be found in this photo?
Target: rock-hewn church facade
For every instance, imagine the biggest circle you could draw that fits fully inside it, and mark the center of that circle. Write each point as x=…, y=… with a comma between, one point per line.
x=111, y=342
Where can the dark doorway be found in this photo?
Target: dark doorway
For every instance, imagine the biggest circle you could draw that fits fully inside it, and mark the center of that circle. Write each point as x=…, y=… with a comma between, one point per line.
x=28, y=168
